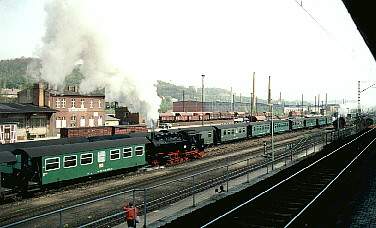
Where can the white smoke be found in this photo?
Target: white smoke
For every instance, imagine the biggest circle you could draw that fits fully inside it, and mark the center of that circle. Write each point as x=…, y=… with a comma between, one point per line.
x=90, y=32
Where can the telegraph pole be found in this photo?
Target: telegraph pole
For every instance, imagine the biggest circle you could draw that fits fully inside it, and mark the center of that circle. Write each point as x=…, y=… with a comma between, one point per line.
x=302, y=106
x=183, y=102
x=202, y=98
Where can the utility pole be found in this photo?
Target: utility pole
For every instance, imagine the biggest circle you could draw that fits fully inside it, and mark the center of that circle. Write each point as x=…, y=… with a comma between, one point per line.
x=183, y=102
x=359, y=109
x=202, y=98
x=315, y=104
x=302, y=106
x=253, y=93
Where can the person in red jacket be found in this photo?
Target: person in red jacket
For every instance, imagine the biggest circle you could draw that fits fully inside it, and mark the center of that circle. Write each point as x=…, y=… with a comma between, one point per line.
x=131, y=215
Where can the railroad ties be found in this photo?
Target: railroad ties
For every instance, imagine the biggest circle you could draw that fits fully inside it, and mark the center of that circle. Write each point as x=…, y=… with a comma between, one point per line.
x=287, y=198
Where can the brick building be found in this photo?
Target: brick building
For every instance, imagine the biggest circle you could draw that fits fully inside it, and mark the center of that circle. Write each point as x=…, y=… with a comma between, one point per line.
x=73, y=109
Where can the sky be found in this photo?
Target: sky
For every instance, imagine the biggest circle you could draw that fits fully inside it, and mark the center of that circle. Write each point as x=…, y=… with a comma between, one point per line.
x=227, y=40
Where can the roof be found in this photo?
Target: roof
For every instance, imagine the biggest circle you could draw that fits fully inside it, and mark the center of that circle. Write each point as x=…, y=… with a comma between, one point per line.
x=14, y=146
x=226, y=126
x=79, y=147
x=71, y=93
x=262, y=122
x=6, y=156
x=202, y=128
x=23, y=108
x=362, y=13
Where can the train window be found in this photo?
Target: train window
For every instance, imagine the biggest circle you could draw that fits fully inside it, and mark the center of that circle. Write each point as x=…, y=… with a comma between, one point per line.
x=115, y=154
x=70, y=161
x=86, y=159
x=52, y=164
x=243, y=130
x=224, y=132
x=209, y=134
x=127, y=152
x=139, y=150
x=232, y=131
x=101, y=156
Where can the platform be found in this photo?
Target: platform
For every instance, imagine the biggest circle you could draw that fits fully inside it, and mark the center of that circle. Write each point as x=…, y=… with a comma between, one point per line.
x=183, y=207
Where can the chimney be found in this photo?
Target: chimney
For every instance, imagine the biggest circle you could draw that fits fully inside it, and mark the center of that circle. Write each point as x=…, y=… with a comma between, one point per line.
x=38, y=94
x=253, y=96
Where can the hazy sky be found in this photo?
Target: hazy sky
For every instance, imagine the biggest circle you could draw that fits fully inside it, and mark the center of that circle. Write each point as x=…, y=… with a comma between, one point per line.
x=227, y=40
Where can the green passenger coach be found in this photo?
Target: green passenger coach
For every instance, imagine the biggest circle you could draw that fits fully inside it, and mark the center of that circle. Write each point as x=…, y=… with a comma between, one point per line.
x=259, y=128
x=231, y=132
x=65, y=162
x=281, y=126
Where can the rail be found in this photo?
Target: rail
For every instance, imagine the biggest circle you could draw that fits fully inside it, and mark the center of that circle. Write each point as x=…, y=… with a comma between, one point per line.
x=283, y=181
x=194, y=187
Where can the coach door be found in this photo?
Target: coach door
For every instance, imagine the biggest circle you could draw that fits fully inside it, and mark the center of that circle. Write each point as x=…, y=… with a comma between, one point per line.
x=101, y=158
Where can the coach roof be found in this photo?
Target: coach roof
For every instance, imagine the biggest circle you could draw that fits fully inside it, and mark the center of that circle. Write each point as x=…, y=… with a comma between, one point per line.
x=79, y=147
x=226, y=126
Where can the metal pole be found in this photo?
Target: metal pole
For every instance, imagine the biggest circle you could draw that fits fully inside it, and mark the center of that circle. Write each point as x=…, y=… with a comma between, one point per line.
x=133, y=198
x=145, y=209
x=248, y=170
x=202, y=99
x=272, y=138
x=359, y=108
x=227, y=179
x=302, y=105
x=61, y=218
x=193, y=191
x=183, y=101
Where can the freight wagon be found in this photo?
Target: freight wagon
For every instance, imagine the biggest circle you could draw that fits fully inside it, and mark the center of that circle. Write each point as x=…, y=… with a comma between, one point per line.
x=100, y=131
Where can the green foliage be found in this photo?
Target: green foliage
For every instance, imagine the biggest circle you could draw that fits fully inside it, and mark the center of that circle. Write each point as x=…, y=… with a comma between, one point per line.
x=166, y=104
x=19, y=73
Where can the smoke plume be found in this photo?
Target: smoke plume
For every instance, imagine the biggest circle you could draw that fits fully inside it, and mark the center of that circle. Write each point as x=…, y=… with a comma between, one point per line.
x=90, y=32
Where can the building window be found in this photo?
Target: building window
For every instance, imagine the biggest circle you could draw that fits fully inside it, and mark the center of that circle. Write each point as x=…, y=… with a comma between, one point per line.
x=100, y=121
x=73, y=102
x=73, y=121
x=63, y=103
x=63, y=122
x=70, y=161
x=58, y=122
x=91, y=103
x=82, y=103
x=52, y=163
x=86, y=159
x=57, y=102
x=139, y=150
x=127, y=152
x=91, y=122
x=114, y=154
x=82, y=121
x=99, y=103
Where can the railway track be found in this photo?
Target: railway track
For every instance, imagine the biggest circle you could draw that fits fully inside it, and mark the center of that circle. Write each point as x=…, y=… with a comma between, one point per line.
x=175, y=172
x=282, y=204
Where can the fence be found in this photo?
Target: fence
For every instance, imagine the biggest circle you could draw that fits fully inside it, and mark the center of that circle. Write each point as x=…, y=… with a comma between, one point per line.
x=184, y=192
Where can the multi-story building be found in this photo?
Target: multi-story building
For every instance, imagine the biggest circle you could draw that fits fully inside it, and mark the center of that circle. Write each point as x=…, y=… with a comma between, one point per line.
x=73, y=109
